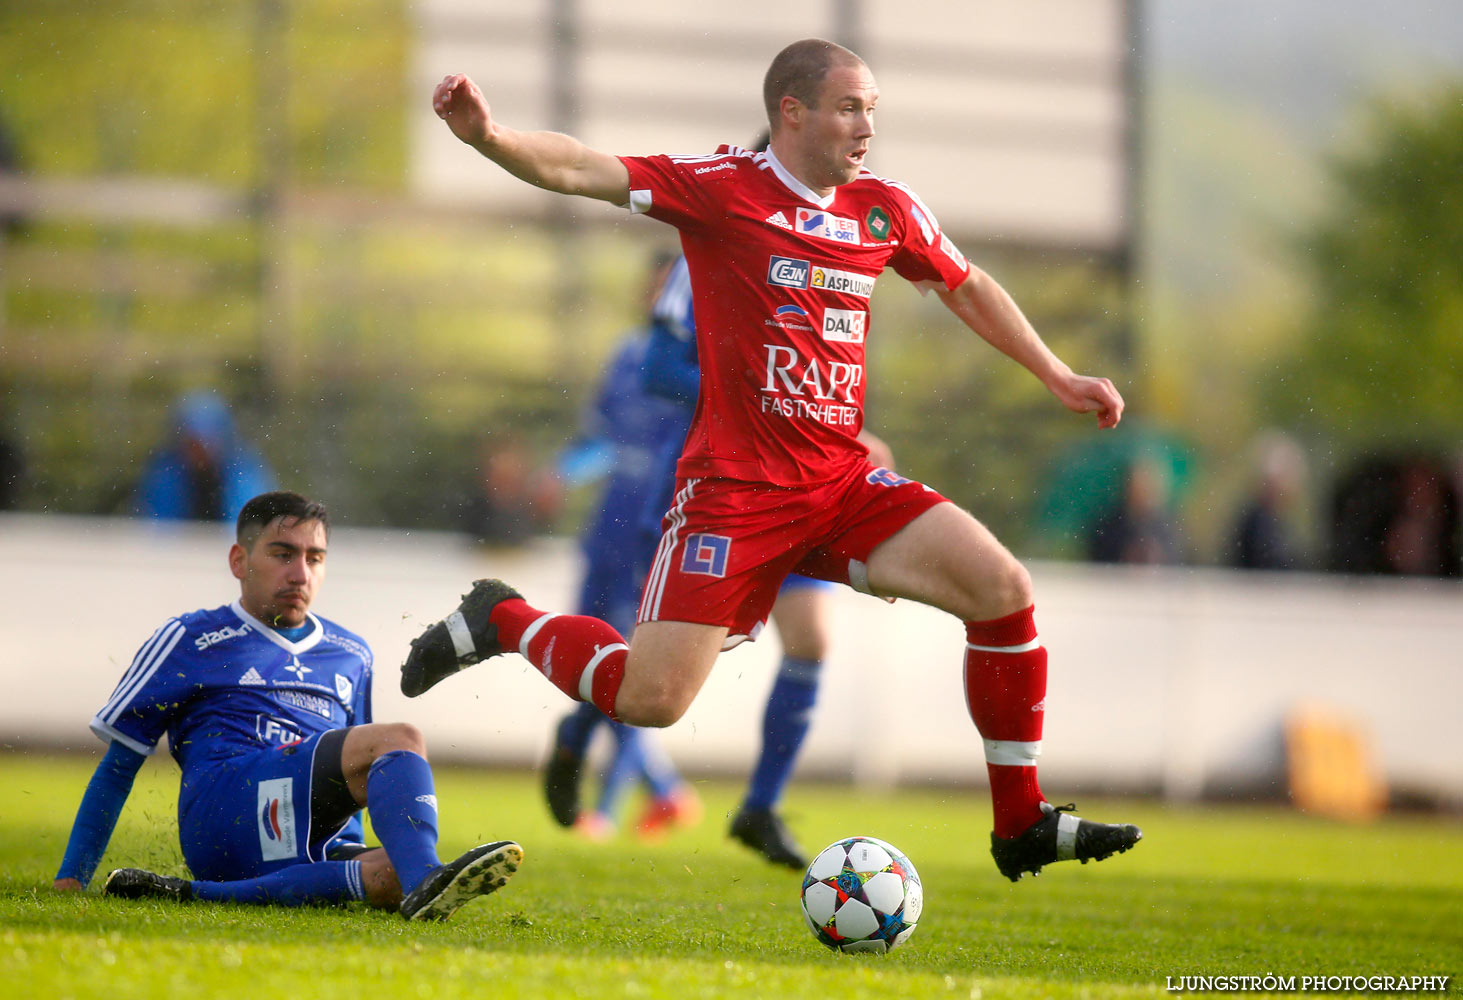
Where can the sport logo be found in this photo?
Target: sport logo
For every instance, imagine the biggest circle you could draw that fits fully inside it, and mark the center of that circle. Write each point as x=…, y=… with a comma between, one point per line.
x=827, y=226
x=832, y=280
x=779, y=220
x=706, y=555
x=844, y=325
x=276, y=816
x=788, y=272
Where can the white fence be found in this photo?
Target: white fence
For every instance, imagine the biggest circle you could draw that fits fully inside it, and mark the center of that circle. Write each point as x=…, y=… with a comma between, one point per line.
x=1171, y=680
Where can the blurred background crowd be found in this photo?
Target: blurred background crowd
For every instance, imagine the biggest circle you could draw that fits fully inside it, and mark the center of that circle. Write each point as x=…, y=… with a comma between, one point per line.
x=220, y=270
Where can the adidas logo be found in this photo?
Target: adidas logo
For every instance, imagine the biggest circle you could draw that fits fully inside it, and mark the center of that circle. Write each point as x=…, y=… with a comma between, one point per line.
x=779, y=220
x=251, y=676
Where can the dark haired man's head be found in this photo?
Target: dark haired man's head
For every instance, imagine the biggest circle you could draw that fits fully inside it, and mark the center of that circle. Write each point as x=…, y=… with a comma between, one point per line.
x=260, y=511
x=279, y=557
x=798, y=71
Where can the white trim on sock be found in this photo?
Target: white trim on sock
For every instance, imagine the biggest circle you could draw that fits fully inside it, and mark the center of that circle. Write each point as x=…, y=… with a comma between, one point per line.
x=1012, y=753
x=1025, y=647
x=586, y=679
x=532, y=631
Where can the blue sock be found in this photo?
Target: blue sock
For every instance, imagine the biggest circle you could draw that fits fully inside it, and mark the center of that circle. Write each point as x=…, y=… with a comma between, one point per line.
x=660, y=775
x=297, y=885
x=784, y=726
x=577, y=727
x=627, y=764
x=403, y=804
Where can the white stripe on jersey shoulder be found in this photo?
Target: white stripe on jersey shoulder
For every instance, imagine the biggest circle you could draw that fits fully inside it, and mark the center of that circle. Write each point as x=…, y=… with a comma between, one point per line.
x=909, y=193
x=731, y=151
x=151, y=656
x=796, y=186
x=309, y=642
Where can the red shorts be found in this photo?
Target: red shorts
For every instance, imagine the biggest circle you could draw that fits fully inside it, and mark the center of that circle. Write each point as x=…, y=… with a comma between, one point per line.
x=726, y=544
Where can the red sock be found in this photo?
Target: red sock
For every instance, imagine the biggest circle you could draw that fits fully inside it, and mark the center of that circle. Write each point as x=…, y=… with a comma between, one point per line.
x=581, y=656
x=1005, y=689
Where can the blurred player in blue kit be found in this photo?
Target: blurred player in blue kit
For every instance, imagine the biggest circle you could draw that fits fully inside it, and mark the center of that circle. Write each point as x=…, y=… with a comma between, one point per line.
x=645, y=407
x=267, y=710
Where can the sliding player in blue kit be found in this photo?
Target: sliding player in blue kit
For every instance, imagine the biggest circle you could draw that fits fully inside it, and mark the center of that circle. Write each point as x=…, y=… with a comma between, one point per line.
x=267, y=710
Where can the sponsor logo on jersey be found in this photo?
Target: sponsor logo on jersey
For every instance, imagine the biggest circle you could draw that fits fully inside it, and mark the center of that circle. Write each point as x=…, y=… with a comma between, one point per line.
x=925, y=228
x=845, y=325
x=833, y=280
x=220, y=635
x=723, y=165
x=790, y=317
x=344, y=687
x=951, y=251
x=787, y=272
x=877, y=223
x=276, y=815
x=251, y=678
x=298, y=669
x=323, y=707
x=886, y=477
x=788, y=373
x=779, y=220
x=706, y=555
x=276, y=732
x=826, y=226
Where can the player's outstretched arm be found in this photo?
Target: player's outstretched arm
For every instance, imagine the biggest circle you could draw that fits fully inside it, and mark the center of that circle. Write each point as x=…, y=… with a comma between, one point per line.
x=985, y=307
x=550, y=160
x=96, y=818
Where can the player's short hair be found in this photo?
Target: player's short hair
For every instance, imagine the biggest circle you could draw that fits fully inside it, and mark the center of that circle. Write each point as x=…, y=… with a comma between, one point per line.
x=798, y=71
x=260, y=512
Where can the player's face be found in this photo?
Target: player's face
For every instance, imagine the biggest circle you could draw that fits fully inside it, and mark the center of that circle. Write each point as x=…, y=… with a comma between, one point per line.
x=837, y=131
x=280, y=575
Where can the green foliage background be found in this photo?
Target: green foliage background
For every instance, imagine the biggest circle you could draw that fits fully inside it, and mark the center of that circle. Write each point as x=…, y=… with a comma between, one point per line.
x=369, y=346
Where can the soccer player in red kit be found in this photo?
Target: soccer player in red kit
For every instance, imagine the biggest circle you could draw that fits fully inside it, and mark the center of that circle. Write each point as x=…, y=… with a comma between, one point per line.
x=784, y=247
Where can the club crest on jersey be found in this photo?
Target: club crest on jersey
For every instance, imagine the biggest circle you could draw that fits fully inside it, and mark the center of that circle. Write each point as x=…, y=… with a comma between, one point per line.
x=343, y=687
x=788, y=272
x=827, y=226
x=877, y=223
x=706, y=555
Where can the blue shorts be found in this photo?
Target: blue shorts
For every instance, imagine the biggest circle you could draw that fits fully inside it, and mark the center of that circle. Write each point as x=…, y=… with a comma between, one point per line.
x=257, y=812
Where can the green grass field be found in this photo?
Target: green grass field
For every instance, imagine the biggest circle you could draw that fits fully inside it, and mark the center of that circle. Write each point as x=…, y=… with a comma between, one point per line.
x=1209, y=891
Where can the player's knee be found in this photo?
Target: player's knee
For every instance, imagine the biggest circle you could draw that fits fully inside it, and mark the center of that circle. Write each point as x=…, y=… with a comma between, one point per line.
x=651, y=710
x=1011, y=587
x=400, y=736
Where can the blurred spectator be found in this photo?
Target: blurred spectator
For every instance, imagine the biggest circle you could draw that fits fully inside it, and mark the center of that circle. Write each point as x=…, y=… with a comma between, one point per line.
x=1396, y=515
x=511, y=499
x=1265, y=533
x=206, y=473
x=1138, y=529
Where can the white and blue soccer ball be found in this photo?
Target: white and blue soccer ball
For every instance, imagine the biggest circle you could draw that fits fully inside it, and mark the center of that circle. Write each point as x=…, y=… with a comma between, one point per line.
x=862, y=894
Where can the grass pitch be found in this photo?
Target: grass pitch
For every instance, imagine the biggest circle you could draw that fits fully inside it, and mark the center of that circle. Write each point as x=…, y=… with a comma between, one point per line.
x=1209, y=892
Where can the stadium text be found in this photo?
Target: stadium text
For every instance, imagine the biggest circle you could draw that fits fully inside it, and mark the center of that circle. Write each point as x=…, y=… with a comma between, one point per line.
x=1306, y=984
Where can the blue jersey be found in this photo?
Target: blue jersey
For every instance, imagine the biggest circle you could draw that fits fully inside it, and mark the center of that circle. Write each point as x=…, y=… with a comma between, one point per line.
x=639, y=427
x=221, y=683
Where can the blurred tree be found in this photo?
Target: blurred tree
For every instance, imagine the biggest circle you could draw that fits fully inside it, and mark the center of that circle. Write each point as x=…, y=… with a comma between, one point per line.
x=1381, y=360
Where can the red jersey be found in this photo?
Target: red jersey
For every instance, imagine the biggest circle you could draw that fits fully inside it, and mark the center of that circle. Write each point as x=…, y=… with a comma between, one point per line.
x=781, y=280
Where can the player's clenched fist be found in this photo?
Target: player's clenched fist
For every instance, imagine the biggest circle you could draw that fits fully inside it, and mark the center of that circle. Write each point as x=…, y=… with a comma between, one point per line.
x=459, y=103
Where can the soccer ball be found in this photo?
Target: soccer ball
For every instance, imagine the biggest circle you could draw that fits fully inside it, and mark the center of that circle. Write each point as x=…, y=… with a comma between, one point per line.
x=861, y=894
